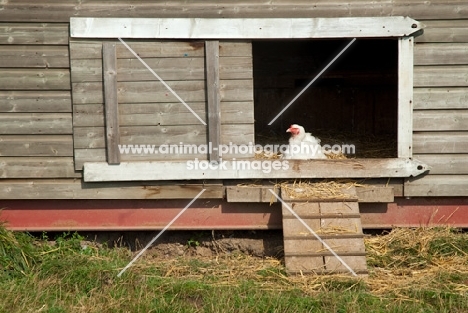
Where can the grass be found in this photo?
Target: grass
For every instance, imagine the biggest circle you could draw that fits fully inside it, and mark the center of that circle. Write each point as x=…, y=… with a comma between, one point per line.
x=411, y=270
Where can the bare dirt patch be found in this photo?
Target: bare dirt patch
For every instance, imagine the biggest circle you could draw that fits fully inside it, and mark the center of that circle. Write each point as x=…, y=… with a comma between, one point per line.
x=262, y=243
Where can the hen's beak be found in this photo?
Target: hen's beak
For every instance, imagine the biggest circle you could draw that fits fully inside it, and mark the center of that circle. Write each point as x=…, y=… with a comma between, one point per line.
x=288, y=130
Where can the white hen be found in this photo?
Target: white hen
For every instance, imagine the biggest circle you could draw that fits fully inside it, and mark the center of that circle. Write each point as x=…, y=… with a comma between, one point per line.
x=302, y=145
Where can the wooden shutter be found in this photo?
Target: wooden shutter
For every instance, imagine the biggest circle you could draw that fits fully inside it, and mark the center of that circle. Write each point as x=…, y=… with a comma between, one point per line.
x=133, y=108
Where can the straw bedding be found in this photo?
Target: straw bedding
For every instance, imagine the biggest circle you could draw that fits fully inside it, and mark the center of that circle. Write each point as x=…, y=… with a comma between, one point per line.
x=399, y=262
x=366, y=146
x=325, y=190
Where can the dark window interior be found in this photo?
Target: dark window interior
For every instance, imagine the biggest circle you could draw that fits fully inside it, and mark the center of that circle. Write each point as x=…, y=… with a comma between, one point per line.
x=353, y=102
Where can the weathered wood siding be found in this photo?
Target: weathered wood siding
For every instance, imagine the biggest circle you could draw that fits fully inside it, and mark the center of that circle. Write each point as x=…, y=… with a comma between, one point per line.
x=149, y=114
x=61, y=11
x=440, y=117
x=36, y=122
x=35, y=102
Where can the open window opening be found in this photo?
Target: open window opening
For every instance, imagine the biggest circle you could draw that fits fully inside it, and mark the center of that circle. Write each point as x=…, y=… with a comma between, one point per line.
x=354, y=102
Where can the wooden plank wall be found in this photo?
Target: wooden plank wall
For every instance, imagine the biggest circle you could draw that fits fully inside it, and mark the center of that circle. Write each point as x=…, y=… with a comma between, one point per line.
x=149, y=113
x=440, y=118
x=36, y=144
x=61, y=11
x=35, y=102
x=36, y=123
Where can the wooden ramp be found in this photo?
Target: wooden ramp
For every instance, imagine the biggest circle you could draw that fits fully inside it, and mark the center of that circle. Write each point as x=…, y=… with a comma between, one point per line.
x=336, y=221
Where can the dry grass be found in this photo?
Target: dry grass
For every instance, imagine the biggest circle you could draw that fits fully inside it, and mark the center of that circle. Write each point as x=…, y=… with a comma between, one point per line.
x=367, y=146
x=266, y=155
x=335, y=156
x=399, y=261
x=423, y=258
x=325, y=190
x=410, y=270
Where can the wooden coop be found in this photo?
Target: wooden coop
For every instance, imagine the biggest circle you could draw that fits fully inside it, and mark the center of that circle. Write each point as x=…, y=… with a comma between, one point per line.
x=110, y=78
x=82, y=81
